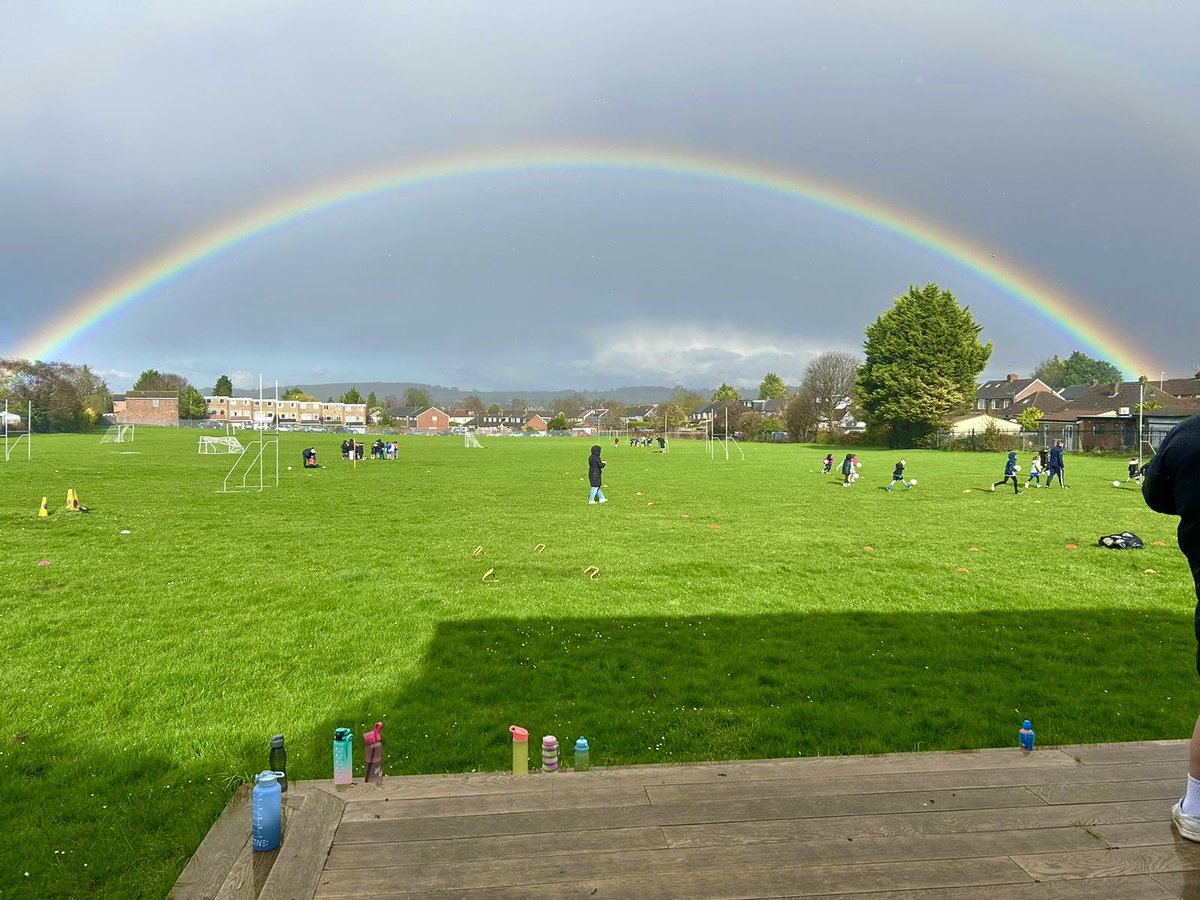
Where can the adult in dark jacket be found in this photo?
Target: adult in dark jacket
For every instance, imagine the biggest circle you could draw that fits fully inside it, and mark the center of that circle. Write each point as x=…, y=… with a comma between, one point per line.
x=595, y=479
x=1056, y=465
x=1172, y=486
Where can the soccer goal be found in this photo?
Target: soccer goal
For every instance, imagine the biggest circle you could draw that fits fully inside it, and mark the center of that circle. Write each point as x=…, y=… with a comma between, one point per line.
x=471, y=442
x=16, y=431
x=220, y=445
x=118, y=434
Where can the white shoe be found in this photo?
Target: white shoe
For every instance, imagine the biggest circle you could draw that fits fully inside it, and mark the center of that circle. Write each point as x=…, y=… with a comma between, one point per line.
x=1188, y=826
x=591, y=503
x=993, y=488
x=603, y=499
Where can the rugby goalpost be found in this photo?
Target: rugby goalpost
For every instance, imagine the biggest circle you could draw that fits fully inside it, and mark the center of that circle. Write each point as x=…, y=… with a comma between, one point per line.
x=12, y=443
x=257, y=459
x=118, y=434
x=713, y=440
x=471, y=442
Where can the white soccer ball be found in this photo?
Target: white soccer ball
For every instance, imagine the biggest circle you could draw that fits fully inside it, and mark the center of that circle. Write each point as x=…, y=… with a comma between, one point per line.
x=913, y=482
x=289, y=468
x=1016, y=468
x=1116, y=484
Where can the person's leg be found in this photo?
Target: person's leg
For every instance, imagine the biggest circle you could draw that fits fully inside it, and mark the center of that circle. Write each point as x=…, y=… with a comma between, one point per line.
x=592, y=494
x=600, y=498
x=1016, y=487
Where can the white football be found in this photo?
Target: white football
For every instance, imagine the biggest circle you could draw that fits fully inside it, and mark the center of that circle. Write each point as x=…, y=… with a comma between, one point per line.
x=913, y=482
x=289, y=468
x=1016, y=468
x=1116, y=484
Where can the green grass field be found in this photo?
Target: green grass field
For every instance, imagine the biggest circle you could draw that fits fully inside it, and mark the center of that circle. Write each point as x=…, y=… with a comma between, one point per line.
x=737, y=613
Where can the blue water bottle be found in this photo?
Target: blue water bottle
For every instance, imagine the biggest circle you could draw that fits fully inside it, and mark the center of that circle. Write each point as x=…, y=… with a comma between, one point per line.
x=583, y=755
x=1027, y=737
x=266, y=808
x=343, y=756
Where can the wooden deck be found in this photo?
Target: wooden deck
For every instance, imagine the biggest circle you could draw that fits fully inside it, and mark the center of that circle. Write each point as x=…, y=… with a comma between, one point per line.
x=1070, y=822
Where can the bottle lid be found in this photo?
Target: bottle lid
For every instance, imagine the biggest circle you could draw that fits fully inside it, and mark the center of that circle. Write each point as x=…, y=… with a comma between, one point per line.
x=519, y=733
x=277, y=742
x=1027, y=724
x=373, y=736
x=549, y=741
x=581, y=745
x=341, y=734
x=267, y=778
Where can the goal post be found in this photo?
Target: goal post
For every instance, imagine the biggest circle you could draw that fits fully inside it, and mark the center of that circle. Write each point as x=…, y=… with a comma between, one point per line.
x=118, y=434
x=471, y=442
x=219, y=445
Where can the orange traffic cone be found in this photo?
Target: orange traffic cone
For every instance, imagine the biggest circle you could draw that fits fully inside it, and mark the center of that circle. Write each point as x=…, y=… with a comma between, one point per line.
x=44, y=510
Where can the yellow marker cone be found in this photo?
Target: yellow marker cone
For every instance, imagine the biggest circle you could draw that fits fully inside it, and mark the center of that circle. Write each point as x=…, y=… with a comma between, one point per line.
x=44, y=510
x=72, y=500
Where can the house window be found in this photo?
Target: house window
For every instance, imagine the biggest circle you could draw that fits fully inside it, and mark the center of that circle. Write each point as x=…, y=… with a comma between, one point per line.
x=154, y=403
x=1099, y=428
x=981, y=404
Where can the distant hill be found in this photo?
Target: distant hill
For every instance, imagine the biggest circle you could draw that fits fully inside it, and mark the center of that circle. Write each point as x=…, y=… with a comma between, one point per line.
x=445, y=396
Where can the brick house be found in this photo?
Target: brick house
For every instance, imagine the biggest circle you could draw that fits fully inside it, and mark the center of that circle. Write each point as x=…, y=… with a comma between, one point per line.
x=537, y=423
x=431, y=418
x=1183, y=388
x=1105, y=416
x=996, y=396
x=148, y=408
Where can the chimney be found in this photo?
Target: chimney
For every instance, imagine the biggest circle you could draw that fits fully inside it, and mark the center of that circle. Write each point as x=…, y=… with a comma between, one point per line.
x=1116, y=389
x=1012, y=376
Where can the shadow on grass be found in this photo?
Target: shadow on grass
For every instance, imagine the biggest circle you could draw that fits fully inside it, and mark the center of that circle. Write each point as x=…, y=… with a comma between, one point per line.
x=655, y=689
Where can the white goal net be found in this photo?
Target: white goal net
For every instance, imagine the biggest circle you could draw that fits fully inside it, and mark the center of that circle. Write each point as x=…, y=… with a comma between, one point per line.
x=118, y=434
x=220, y=445
x=471, y=442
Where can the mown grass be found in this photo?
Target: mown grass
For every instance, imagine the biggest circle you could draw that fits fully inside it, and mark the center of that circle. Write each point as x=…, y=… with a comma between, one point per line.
x=143, y=673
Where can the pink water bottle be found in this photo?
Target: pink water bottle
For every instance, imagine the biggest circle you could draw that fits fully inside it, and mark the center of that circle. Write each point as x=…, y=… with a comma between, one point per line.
x=549, y=754
x=373, y=754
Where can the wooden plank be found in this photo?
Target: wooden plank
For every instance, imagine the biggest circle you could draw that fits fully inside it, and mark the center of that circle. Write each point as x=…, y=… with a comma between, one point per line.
x=477, y=805
x=508, y=846
x=789, y=882
x=1145, y=752
x=957, y=821
x=1161, y=789
x=864, y=784
x=248, y=874
x=1099, y=863
x=305, y=846
x=428, y=786
x=209, y=866
x=1181, y=884
x=536, y=868
x=1129, y=887
x=1140, y=834
x=681, y=813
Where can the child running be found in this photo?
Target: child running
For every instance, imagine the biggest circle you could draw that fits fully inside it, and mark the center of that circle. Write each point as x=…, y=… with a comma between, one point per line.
x=847, y=470
x=828, y=464
x=1010, y=471
x=1035, y=472
x=1134, y=470
x=898, y=475
x=595, y=465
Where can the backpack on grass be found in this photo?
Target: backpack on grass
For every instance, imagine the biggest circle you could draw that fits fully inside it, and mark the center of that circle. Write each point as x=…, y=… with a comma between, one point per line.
x=1123, y=541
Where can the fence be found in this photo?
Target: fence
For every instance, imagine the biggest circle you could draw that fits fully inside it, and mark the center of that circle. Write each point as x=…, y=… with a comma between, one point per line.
x=1077, y=437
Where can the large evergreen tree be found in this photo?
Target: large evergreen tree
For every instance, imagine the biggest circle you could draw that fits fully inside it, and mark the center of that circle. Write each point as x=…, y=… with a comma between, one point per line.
x=224, y=387
x=922, y=359
x=726, y=393
x=352, y=396
x=772, y=388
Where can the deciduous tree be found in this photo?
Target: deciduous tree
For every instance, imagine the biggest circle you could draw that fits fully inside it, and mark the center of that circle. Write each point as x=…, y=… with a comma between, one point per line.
x=801, y=415
x=1078, y=368
x=416, y=398
x=829, y=380
x=923, y=357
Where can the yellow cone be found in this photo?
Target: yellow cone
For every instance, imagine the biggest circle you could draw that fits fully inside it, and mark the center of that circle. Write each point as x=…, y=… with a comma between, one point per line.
x=72, y=500
x=44, y=510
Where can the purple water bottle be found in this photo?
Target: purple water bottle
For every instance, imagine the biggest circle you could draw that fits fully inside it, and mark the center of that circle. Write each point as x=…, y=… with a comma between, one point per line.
x=373, y=755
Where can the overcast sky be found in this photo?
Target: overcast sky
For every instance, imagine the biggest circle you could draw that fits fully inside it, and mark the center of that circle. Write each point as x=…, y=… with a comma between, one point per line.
x=1063, y=137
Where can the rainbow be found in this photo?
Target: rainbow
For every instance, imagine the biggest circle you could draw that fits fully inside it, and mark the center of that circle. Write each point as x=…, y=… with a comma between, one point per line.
x=1050, y=303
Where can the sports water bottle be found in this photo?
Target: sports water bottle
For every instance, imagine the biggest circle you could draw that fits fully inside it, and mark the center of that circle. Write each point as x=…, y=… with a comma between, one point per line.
x=373, y=755
x=278, y=761
x=343, y=756
x=266, y=807
x=550, y=754
x=583, y=756
x=1027, y=737
x=520, y=750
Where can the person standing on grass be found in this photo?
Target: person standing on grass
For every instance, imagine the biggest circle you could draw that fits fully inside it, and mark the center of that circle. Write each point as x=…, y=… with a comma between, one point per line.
x=828, y=463
x=595, y=479
x=1010, y=471
x=1056, y=465
x=898, y=475
x=1171, y=485
x=847, y=469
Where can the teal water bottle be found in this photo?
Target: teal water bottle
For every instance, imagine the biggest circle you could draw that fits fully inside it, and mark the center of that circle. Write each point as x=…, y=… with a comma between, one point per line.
x=583, y=755
x=343, y=756
x=266, y=812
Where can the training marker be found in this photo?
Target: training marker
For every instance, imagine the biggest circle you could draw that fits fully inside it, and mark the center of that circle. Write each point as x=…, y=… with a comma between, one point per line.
x=72, y=500
x=44, y=509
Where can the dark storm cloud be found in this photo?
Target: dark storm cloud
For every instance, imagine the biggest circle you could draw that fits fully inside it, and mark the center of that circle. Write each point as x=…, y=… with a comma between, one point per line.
x=1061, y=139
